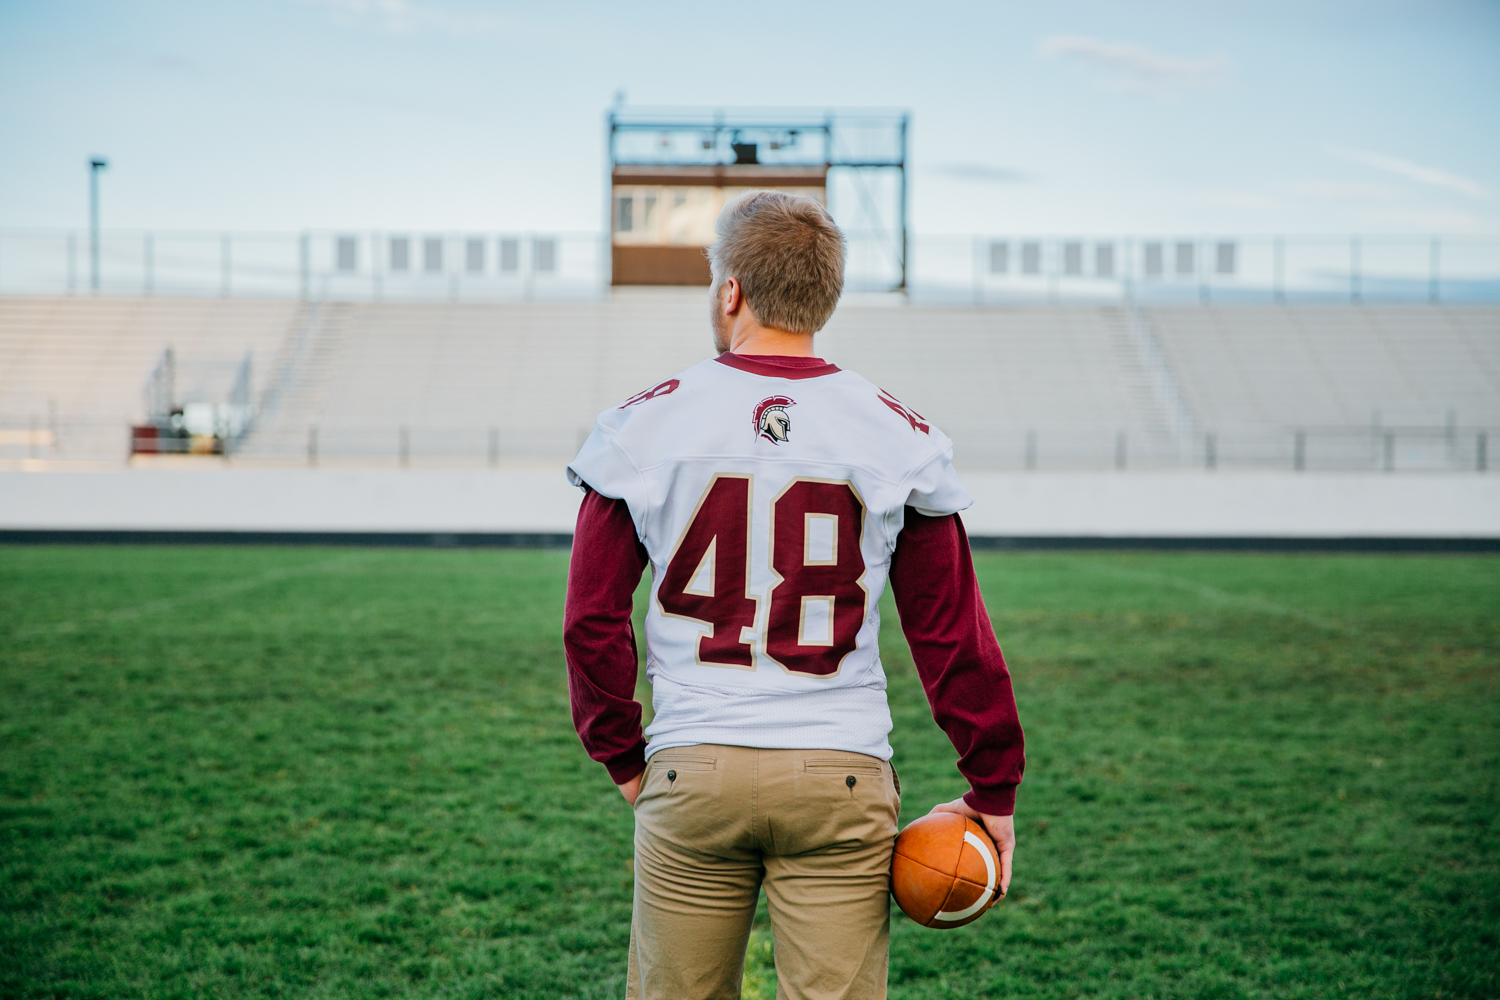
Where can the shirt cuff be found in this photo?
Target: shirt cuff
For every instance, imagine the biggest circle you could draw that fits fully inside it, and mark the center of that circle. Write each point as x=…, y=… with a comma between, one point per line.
x=997, y=801
x=628, y=764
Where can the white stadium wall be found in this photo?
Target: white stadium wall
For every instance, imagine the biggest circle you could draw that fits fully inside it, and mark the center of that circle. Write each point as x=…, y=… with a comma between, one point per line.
x=1018, y=507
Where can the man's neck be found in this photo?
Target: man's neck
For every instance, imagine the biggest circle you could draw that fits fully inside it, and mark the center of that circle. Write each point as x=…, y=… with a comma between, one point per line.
x=752, y=338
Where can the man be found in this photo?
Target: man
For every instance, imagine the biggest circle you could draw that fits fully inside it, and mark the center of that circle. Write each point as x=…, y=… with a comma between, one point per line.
x=773, y=494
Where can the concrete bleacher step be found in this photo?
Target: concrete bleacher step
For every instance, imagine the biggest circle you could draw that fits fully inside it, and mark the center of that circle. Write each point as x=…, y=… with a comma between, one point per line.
x=308, y=363
x=1150, y=410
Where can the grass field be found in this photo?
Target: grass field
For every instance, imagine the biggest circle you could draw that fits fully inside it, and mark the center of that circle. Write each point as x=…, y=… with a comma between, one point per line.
x=321, y=773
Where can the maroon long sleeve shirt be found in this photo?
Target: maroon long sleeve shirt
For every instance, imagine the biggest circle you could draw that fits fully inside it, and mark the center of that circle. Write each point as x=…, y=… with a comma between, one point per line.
x=942, y=614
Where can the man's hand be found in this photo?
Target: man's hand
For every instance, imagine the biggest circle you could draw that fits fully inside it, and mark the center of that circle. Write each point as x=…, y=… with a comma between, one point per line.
x=632, y=788
x=1002, y=830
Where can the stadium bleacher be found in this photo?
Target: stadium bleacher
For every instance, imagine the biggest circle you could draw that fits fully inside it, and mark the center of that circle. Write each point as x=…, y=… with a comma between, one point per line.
x=1059, y=386
x=1068, y=379
x=1335, y=365
x=1344, y=377
x=73, y=370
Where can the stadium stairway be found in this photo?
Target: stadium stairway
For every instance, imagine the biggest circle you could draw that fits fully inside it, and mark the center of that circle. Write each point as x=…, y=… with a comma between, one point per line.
x=456, y=382
x=1003, y=382
x=73, y=370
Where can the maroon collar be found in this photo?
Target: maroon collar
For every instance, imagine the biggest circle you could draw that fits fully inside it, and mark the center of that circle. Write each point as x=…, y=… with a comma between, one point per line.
x=777, y=366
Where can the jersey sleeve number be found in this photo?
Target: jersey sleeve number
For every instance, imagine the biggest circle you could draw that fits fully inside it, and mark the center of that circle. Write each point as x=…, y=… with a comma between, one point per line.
x=818, y=602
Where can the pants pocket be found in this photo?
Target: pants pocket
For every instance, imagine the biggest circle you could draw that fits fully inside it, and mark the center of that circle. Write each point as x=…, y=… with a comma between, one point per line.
x=684, y=762
x=833, y=766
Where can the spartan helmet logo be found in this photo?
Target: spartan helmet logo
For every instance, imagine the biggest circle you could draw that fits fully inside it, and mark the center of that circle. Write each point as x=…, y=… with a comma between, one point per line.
x=771, y=420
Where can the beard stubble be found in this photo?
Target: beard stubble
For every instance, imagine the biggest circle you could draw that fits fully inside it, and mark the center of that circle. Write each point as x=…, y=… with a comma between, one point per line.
x=717, y=320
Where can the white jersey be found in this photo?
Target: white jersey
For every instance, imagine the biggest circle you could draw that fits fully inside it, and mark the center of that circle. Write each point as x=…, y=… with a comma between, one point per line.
x=769, y=500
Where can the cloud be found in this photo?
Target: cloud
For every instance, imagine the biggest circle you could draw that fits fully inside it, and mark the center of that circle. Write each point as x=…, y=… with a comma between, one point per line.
x=169, y=63
x=402, y=17
x=1134, y=68
x=1340, y=190
x=984, y=173
x=1431, y=176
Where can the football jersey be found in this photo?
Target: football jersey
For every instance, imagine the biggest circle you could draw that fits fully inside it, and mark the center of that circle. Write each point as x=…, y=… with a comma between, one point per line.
x=768, y=499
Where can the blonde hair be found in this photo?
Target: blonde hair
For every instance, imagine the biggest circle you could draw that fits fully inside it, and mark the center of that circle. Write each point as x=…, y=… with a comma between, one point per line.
x=787, y=254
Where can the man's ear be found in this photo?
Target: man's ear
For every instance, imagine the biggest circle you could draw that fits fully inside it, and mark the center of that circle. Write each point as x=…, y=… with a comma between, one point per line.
x=730, y=297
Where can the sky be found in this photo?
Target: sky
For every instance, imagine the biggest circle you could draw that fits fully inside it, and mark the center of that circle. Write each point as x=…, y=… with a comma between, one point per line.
x=1070, y=117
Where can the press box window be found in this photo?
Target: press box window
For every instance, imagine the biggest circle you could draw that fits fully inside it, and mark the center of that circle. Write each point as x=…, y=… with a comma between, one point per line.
x=1224, y=258
x=1031, y=258
x=637, y=212
x=544, y=255
x=347, y=253
x=432, y=255
x=474, y=256
x=400, y=253
x=1072, y=259
x=1104, y=261
x=999, y=258
x=1185, y=258
x=510, y=255
x=1153, y=260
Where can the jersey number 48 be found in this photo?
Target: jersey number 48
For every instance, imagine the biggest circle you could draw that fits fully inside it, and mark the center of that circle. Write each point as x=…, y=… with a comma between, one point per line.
x=818, y=601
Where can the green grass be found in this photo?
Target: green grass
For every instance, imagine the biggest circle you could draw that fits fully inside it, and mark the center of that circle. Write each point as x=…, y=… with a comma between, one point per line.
x=313, y=773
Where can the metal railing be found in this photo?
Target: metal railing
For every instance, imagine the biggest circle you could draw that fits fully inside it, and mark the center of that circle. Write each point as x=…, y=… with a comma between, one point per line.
x=314, y=265
x=1376, y=448
x=1222, y=269
x=973, y=269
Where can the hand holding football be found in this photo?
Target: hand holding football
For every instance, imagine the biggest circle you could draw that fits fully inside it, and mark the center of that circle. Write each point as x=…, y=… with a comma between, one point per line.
x=946, y=871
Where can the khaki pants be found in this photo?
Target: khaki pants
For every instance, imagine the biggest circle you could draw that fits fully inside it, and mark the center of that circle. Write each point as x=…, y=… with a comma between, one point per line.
x=713, y=823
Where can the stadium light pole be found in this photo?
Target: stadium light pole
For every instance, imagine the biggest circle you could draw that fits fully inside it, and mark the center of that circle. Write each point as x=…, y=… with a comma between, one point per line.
x=96, y=164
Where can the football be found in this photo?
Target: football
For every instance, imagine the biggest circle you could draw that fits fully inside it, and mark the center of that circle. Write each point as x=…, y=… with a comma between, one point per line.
x=946, y=871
